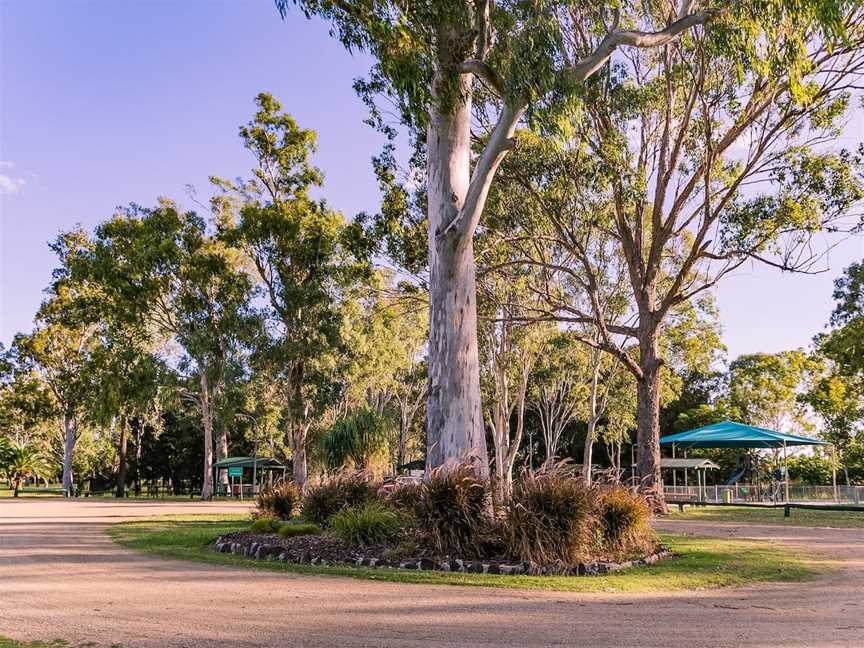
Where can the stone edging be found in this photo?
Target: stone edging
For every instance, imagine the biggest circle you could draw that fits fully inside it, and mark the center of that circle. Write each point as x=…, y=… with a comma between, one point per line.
x=262, y=551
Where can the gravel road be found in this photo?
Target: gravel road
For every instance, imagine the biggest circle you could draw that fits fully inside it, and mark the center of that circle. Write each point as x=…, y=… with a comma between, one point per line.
x=62, y=577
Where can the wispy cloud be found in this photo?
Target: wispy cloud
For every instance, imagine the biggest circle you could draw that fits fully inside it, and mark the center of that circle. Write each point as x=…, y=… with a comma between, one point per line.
x=9, y=184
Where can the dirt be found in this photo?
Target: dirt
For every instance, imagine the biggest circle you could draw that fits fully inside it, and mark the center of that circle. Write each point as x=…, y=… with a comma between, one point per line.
x=62, y=577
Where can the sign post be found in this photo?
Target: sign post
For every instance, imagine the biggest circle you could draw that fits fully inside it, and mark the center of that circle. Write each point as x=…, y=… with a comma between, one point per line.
x=236, y=471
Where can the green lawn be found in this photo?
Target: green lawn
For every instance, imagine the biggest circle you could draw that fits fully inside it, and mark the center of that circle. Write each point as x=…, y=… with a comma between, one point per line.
x=753, y=515
x=30, y=491
x=54, y=491
x=6, y=642
x=701, y=562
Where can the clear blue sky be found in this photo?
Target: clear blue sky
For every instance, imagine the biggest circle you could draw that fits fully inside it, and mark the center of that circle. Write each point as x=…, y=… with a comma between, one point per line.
x=103, y=103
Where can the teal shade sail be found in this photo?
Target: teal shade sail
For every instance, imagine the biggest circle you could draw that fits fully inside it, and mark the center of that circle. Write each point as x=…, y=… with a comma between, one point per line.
x=248, y=462
x=729, y=434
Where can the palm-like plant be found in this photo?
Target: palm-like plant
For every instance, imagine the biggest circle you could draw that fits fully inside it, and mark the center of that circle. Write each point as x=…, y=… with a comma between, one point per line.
x=359, y=439
x=21, y=461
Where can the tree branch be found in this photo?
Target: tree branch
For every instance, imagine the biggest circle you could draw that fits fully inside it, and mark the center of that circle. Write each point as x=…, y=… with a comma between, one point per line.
x=486, y=73
x=587, y=66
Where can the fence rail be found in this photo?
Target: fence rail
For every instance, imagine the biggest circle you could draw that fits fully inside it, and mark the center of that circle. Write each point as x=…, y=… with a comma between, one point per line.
x=766, y=493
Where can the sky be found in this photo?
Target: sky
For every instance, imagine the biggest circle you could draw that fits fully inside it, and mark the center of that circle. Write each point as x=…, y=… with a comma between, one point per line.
x=103, y=103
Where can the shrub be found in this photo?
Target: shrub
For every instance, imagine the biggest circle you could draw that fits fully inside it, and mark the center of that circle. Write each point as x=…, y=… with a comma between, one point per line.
x=358, y=439
x=452, y=509
x=549, y=518
x=329, y=496
x=280, y=501
x=405, y=497
x=624, y=522
x=369, y=523
x=264, y=525
x=291, y=529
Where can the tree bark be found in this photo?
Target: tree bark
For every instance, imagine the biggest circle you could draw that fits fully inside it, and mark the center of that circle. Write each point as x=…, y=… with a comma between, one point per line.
x=139, y=433
x=454, y=419
x=70, y=436
x=122, y=463
x=297, y=439
x=587, y=454
x=207, y=421
x=222, y=451
x=648, y=418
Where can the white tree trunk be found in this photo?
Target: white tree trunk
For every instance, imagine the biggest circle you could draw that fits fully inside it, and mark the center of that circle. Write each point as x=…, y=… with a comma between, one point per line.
x=70, y=436
x=454, y=419
x=207, y=421
x=222, y=452
x=593, y=418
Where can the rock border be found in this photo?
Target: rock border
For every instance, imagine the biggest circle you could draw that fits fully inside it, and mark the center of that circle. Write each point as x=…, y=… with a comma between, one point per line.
x=273, y=552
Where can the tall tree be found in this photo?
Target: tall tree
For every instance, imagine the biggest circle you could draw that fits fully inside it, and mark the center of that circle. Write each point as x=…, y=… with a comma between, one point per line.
x=26, y=401
x=304, y=254
x=62, y=344
x=691, y=160
x=161, y=271
x=510, y=348
x=560, y=387
x=838, y=395
x=439, y=61
x=385, y=336
x=764, y=387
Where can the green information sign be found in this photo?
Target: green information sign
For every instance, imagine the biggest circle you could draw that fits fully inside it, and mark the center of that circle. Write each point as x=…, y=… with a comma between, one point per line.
x=235, y=471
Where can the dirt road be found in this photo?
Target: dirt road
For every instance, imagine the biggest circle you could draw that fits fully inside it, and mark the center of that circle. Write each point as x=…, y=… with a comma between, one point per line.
x=62, y=577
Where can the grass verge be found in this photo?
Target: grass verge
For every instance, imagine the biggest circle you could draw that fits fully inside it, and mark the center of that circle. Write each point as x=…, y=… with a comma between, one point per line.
x=6, y=642
x=701, y=562
x=754, y=515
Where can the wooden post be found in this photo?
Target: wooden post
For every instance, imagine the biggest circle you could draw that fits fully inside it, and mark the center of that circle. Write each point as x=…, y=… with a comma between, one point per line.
x=834, y=472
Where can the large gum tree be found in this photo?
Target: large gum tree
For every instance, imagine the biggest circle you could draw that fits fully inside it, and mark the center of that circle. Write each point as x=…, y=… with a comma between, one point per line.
x=442, y=60
x=688, y=162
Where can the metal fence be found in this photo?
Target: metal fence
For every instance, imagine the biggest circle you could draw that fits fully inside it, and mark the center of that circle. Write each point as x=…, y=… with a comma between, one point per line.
x=766, y=493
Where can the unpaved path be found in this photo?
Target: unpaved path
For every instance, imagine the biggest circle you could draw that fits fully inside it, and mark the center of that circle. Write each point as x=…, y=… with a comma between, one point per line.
x=62, y=577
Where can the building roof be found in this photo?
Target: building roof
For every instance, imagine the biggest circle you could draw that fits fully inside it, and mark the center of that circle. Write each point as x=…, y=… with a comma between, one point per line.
x=730, y=434
x=697, y=463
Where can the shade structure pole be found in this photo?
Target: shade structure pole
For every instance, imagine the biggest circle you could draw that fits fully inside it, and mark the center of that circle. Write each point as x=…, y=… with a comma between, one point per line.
x=674, y=472
x=786, y=471
x=699, y=477
x=686, y=484
x=834, y=472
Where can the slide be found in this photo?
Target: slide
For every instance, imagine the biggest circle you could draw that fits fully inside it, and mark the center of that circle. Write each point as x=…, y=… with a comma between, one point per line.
x=735, y=477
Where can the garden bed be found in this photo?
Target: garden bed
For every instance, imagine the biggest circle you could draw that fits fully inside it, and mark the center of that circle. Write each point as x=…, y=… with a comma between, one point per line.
x=325, y=550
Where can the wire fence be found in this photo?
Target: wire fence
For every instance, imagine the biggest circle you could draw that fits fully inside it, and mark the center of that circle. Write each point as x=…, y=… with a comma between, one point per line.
x=772, y=492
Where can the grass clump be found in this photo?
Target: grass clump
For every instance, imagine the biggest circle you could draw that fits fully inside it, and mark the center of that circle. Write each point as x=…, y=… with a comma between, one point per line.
x=291, y=529
x=367, y=524
x=405, y=498
x=625, y=523
x=279, y=502
x=342, y=490
x=549, y=518
x=264, y=525
x=452, y=510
